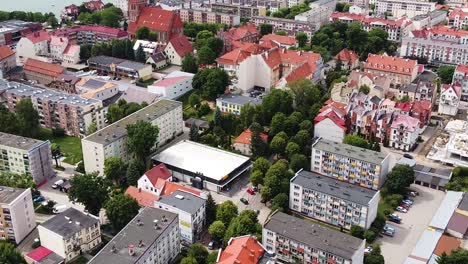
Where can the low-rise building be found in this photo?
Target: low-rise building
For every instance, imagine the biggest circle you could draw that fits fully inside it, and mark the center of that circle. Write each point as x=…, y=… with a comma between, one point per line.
x=191, y=211
x=42, y=72
x=173, y=85
x=282, y=41
x=70, y=233
x=33, y=45
x=416, y=91
x=149, y=47
x=43, y=255
x=245, y=33
x=400, y=71
x=202, y=17
x=400, y=8
x=17, y=218
x=330, y=126
x=233, y=103
x=404, y=132
x=111, y=141
x=152, y=236
x=158, y=60
x=421, y=110
x=461, y=76
x=153, y=180
x=449, y=100
x=21, y=155
x=351, y=164
x=331, y=201
x=348, y=58
x=242, y=143
x=177, y=48
x=294, y=239
x=435, y=178
x=120, y=67
x=244, y=249
x=92, y=88
x=71, y=55
x=7, y=59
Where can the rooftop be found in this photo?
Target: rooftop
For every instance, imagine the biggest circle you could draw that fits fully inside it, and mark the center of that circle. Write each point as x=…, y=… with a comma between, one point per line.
x=446, y=244
x=184, y=201
x=140, y=229
x=44, y=68
x=244, y=249
x=144, y=198
x=158, y=172
x=195, y=157
x=70, y=222
x=464, y=202
x=390, y=64
x=239, y=99
x=442, y=217
x=181, y=45
x=314, y=235
x=246, y=136
x=119, y=129
x=437, y=177
x=9, y=194
x=5, y=52
x=19, y=142
x=458, y=223
x=156, y=19
x=284, y=40
x=422, y=252
x=350, y=151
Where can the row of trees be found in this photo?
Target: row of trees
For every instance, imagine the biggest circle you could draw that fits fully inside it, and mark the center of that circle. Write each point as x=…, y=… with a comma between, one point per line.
x=122, y=109
x=459, y=180
x=109, y=17
x=191, y=29
x=198, y=254
x=24, y=121
x=291, y=12
x=48, y=18
x=117, y=48
x=358, y=141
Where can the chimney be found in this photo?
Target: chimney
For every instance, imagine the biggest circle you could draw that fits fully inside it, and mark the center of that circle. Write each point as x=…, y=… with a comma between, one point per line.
x=131, y=250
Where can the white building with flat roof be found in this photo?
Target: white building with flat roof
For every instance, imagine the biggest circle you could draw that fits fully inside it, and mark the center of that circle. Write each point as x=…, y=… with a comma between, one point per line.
x=201, y=165
x=173, y=85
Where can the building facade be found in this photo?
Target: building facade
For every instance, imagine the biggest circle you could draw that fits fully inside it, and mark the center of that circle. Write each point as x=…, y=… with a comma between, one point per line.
x=35, y=44
x=120, y=67
x=458, y=18
x=42, y=72
x=173, y=85
x=351, y=164
x=17, y=217
x=449, y=100
x=461, y=76
x=404, y=132
x=400, y=8
x=200, y=16
x=7, y=59
x=111, y=141
x=177, y=48
x=288, y=25
x=400, y=71
x=90, y=34
x=233, y=103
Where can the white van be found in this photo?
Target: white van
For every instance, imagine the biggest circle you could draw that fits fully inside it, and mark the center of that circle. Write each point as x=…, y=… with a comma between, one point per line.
x=59, y=209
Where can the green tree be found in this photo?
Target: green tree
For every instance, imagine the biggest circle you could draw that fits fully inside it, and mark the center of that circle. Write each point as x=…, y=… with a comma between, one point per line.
x=85, y=52
x=114, y=113
x=211, y=82
x=266, y=29
x=258, y=146
x=357, y=231
x=356, y=140
x=217, y=230
x=256, y=178
x=375, y=256
x=278, y=145
x=210, y=209
x=281, y=33
x=244, y=224
x=140, y=55
x=129, y=52
x=28, y=118
x=56, y=153
x=194, y=100
x=89, y=189
x=120, y=210
x=16, y=180
x=212, y=257
x=153, y=36
x=198, y=252
x=91, y=128
x=299, y=161
x=301, y=38
x=277, y=124
x=189, y=63
x=399, y=179
x=292, y=148
x=206, y=56
x=118, y=49
x=194, y=133
x=52, y=21
x=280, y=202
x=111, y=17
x=216, y=45
x=226, y=211
x=134, y=171
x=114, y=169
x=188, y=260
x=446, y=73
x=202, y=38
x=142, y=33
x=9, y=254
x=277, y=101
x=457, y=256
x=141, y=138
x=261, y=164
x=364, y=89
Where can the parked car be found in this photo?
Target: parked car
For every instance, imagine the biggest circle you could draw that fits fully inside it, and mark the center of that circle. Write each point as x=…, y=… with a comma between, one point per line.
x=59, y=209
x=250, y=191
x=65, y=187
x=413, y=193
x=39, y=199
x=368, y=250
x=211, y=245
x=244, y=201
x=406, y=206
x=388, y=227
x=407, y=201
x=388, y=233
x=401, y=209
x=408, y=156
x=58, y=183
x=394, y=218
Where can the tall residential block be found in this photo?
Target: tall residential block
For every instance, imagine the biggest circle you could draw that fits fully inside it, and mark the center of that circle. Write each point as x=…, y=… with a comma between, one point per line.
x=355, y=165
x=111, y=141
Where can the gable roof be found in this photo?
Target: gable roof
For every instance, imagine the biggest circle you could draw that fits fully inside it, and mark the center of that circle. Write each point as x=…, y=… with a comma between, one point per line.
x=390, y=64
x=410, y=123
x=462, y=68
x=403, y=106
x=5, y=52
x=240, y=32
x=246, y=135
x=333, y=117
x=233, y=57
x=283, y=40
x=38, y=36
x=171, y=187
x=455, y=86
x=158, y=172
x=420, y=106
x=245, y=249
x=347, y=55
x=302, y=72
x=181, y=45
x=45, y=68
x=144, y=198
x=156, y=19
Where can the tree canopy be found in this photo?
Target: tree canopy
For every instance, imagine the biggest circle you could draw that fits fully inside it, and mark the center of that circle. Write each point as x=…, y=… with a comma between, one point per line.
x=226, y=211
x=9, y=254
x=399, y=179
x=141, y=139
x=120, y=210
x=89, y=189
x=445, y=73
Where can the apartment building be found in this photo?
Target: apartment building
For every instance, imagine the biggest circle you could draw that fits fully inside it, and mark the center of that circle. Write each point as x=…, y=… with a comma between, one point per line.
x=151, y=237
x=7, y=59
x=430, y=19
x=461, y=76
x=17, y=218
x=401, y=8
x=439, y=45
x=404, y=132
x=191, y=211
x=246, y=33
x=70, y=112
x=288, y=25
x=233, y=103
x=331, y=201
x=449, y=100
x=295, y=240
x=111, y=141
x=70, y=233
x=458, y=18
x=13, y=30
x=400, y=71
x=359, y=166
x=239, y=10
x=361, y=3
x=201, y=16
x=21, y=155
x=318, y=14
x=33, y=45
x=90, y=34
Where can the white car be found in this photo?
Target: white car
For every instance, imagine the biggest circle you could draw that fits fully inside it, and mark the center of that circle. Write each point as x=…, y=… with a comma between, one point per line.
x=60, y=209
x=401, y=209
x=57, y=184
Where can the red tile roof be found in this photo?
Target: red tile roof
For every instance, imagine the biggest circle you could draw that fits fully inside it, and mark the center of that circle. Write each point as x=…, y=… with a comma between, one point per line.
x=391, y=64
x=302, y=72
x=421, y=106
x=45, y=68
x=157, y=19
x=455, y=86
x=284, y=40
x=240, y=32
x=94, y=5
x=410, y=123
x=171, y=187
x=403, y=106
x=462, y=68
x=347, y=55
x=38, y=36
x=446, y=244
x=114, y=32
x=242, y=250
x=181, y=45
x=144, y=198
x=5, y=52
x=333, y=117
x=158, y=172
x=39, y=253
x=233, y=57
x=458, y=13
x=166, y=82
x=246, y=135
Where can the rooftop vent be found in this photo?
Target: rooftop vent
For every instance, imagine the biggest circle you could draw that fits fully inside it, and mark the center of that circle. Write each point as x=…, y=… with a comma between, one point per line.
x=180, y=197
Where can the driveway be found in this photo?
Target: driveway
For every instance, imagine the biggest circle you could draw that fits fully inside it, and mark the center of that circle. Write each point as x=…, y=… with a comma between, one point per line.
x=58, y=196
x=396, y=249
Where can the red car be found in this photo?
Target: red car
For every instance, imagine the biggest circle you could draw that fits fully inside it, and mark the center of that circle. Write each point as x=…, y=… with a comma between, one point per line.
x=250, y=191
x=407, y=207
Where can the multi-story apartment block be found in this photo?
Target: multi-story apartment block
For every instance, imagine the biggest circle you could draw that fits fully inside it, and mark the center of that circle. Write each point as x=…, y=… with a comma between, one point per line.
x=295, y=240
x=240, y=10
x=111, y=141
x=245, y=33
x=151, y=237
x=430, y=19
x=288, y=25
x=70, y=233
x=90, y=34
x=331, y=201
x=17, y=218
x=201, y=16
x=191, y=211
x=400, y=8
x=33, y=45
x=319, y=13
x=28, y=156
x=458, y=18
x=461, y=76
x=439, y=45
x=70, y=112
x=449, y=100
x=7, y=59
x=363, y=167
x=404, y=132
x=400, y=71
x=361, y=3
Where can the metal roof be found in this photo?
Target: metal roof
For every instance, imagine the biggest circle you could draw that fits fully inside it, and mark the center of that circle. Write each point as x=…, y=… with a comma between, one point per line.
x=422, y=252
x=442, y=217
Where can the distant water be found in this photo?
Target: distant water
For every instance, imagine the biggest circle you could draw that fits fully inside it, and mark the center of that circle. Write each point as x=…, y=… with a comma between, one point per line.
x=54, y=6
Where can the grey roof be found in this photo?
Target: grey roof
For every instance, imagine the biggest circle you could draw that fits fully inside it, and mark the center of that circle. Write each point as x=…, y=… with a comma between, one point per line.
x=132, y=65
x=426, y=76
x=313, y=235
x=68, y=223
x=141, y=228
x=119, y=129
x=158, y=56
x=464, y=202
x=438, y=177
x=52, y=258
x=410, y=88
x=447, y=207
x=189, y=203
x=138, y=95
x=8, y=194
x=424, y=248
x=459, y=223
x=239, y=99
x=105, y=60
x=326, y=185
x=349, y=151
x=375, y=99
x=94, y=84
x=19, y=142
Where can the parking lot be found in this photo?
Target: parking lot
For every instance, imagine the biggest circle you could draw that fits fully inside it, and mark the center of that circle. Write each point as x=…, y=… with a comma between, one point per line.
x=59, y=197
x=396, y=249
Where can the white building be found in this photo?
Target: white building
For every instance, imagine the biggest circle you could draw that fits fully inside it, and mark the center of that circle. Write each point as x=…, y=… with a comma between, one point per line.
x=404, y=132
x=96, y=89
x=70, y=233
x=297, y=240
x=111, y=141
x=330, y=125
x=153, y=180
x=71, y=55
x=173, y=85
x=33, y=45
x=21, y=155
x=151, y=237
x=364, y=4
x=17, y=218
x=458, y=18
x=334, y=202
x=233, y=103
x=400, y=8
x=351, y=164
x=149, y=47
x=461, y=76
x=430, y=19
x=177, y=48
x=191, y=211
x=318, y=14
x=449, y=100
x=57, y=47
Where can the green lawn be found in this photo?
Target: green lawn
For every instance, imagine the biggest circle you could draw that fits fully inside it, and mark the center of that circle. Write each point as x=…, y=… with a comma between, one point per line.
x=70, y=146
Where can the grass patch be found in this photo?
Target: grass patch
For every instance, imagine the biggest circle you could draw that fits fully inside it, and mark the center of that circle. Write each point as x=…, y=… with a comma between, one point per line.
x=70, y=146
x=79, y=260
